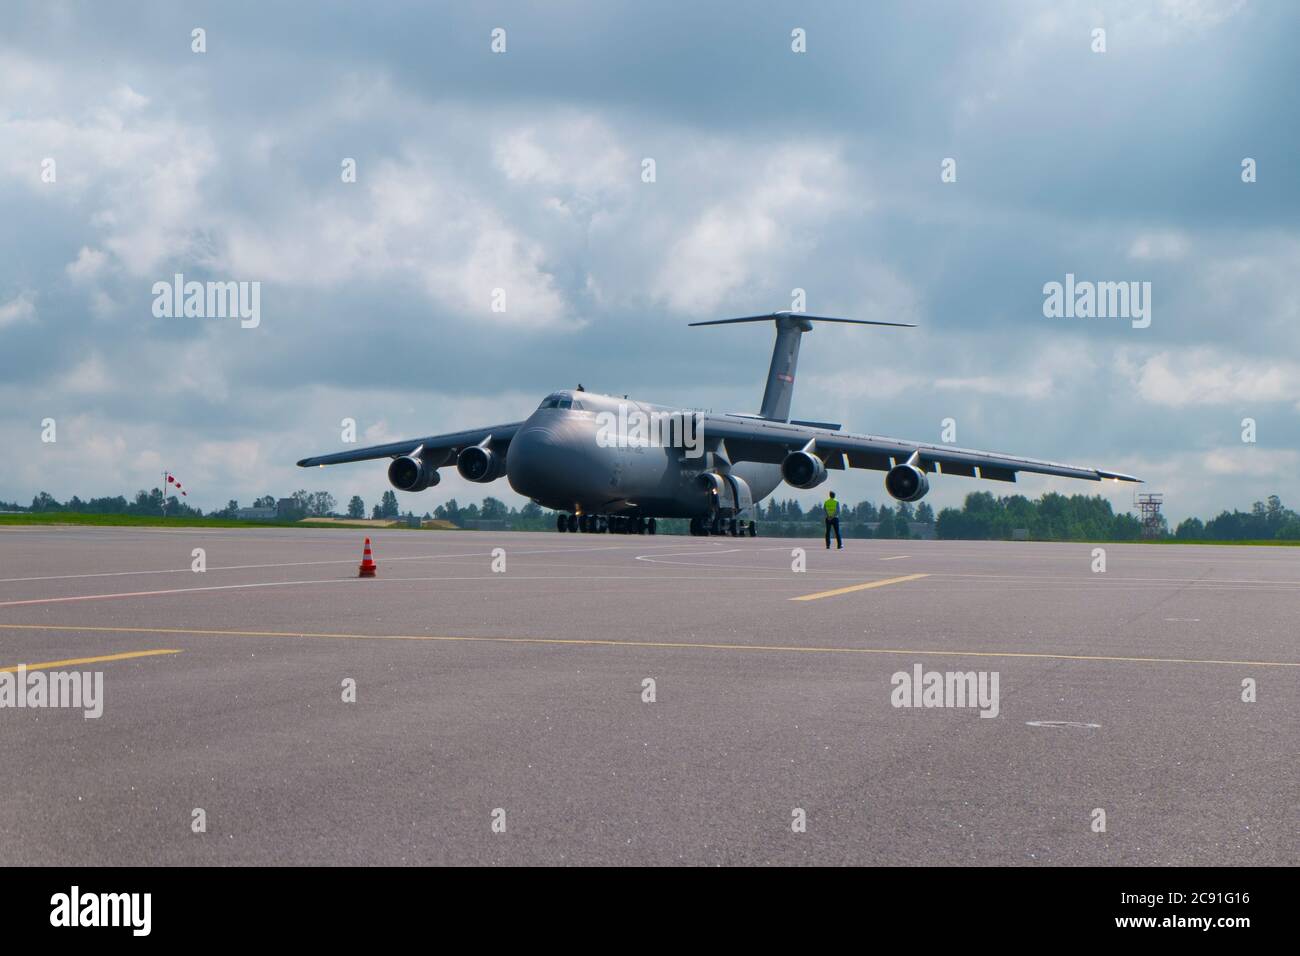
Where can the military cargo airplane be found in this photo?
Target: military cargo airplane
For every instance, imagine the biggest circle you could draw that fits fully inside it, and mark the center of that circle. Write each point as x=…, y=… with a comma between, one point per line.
x=610, y=464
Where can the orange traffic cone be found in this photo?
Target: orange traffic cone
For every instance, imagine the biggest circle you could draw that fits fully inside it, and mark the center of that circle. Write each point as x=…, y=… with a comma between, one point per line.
x=368, y=566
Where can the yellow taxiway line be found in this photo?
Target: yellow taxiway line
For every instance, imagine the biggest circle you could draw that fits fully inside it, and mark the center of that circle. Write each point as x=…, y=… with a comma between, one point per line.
x=859, y=587
x=85, y=660
x=668, y=645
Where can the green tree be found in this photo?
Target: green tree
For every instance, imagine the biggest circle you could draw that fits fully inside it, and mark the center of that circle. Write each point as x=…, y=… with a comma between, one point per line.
x=356, y=507
x=45, y=502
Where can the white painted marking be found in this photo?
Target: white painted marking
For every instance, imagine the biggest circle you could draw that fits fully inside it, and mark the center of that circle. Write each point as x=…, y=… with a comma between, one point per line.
x=1072, y=724
x=896, y=557
x=655, y=559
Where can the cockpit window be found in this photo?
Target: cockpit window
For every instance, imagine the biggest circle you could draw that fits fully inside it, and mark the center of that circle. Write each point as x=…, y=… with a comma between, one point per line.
x=559, y=401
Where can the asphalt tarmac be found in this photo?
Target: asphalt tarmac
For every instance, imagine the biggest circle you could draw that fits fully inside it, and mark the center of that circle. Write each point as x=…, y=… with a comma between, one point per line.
x=501, y=716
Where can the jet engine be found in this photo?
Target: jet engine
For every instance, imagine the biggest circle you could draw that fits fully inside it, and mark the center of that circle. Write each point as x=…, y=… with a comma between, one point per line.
x=412, y=474
x=803, y=469
x=907, y=482
x=480, y=464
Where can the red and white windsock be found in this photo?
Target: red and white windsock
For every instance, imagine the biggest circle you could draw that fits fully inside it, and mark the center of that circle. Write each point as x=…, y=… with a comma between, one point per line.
x=171, y=480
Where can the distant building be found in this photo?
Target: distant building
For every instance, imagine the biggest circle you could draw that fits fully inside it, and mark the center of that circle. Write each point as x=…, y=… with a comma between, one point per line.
x=287, y=508
x=256, y=514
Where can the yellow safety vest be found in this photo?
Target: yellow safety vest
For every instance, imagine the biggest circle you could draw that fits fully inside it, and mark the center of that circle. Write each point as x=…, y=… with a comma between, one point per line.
x=831, y=507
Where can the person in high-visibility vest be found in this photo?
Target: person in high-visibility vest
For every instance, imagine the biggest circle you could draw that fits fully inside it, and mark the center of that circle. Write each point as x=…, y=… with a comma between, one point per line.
x=832, y=509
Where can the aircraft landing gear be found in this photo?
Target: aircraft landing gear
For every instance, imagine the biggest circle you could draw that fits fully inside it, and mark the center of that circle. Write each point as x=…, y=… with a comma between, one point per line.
x=604, y=524
x=650, y=526
x=703, y=527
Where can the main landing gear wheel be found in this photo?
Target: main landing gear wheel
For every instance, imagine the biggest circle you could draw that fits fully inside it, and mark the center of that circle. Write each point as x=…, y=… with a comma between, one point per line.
x=561, y=523
x=753, y=530
x=650, y=526
x=572, y=523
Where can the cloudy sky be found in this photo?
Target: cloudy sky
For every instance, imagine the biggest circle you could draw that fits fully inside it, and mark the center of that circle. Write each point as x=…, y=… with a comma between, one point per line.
x=522, y=170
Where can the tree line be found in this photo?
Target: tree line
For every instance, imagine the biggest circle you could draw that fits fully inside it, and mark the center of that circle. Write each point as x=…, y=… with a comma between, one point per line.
x=1055, y=517
x=983, y=516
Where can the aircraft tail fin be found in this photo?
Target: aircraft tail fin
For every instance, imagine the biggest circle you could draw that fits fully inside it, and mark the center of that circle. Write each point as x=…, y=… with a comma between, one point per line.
x=790, y=327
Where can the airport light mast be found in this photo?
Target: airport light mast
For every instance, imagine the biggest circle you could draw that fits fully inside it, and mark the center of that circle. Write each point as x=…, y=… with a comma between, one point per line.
x=1148, y=505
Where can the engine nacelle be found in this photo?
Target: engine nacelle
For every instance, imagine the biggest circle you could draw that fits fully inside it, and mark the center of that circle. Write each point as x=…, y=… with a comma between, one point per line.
x=732, y=493
x=412, y=474
x=907, y=483
x=480, y=464
x=803, y=469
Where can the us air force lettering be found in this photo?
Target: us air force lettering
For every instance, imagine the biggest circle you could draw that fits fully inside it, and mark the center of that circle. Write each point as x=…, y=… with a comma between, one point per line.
x=670, y=462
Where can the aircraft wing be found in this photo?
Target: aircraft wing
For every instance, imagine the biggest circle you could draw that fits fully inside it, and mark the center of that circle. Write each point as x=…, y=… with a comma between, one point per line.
x=440, y=449
x=756, y=439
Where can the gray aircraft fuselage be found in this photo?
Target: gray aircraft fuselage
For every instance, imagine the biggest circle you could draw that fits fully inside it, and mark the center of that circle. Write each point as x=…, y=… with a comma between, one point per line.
x=557, y=459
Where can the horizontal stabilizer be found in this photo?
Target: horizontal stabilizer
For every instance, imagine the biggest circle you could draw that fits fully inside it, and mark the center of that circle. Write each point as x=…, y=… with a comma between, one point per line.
x=771, y=316
x=790, y=327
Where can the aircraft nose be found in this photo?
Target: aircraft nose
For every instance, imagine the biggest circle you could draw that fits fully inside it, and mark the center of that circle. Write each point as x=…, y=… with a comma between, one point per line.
x=535, y=461
x=558, y=460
